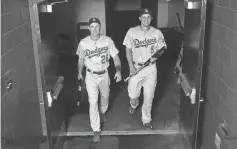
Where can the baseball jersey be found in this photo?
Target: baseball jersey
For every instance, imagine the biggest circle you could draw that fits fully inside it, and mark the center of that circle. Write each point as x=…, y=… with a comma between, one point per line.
x=142, y=44
x=96, y=53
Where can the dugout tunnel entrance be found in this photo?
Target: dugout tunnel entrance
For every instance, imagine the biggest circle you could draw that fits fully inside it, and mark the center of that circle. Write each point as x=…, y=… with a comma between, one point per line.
x=172, y=99
x=165, y=111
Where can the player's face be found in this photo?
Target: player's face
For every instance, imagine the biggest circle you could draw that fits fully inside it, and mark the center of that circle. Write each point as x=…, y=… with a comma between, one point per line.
x=145, y=20
x=94, y=29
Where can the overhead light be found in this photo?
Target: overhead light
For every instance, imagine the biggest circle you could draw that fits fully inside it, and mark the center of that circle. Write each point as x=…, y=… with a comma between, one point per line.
x=47, y=7
x=188, y=4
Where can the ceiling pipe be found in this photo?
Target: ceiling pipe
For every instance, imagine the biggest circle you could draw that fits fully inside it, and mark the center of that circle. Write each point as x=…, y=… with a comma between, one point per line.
x=53, y=3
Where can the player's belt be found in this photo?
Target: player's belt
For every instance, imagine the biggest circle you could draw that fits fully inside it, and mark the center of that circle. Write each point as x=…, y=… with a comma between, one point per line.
x=140, y=64
x=96, y=72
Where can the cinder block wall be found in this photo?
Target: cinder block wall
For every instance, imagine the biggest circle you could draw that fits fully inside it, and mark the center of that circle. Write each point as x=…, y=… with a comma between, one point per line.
x=221, y=72
x=20, y=113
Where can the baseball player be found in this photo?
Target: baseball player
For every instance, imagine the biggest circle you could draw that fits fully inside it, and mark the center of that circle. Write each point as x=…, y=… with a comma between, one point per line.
x=141, y=42
x=94, y=52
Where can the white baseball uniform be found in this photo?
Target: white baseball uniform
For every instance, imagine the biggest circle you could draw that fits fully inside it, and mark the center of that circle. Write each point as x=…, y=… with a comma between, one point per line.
x=143, y=45
x=96, y=55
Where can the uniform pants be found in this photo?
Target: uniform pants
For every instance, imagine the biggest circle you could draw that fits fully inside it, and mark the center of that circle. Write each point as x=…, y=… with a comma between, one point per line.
x=94, y=84
x=146, y=78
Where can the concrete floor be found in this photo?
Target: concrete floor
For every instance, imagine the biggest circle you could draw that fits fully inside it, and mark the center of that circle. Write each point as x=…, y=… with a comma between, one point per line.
x=130, y=142
x=165, y=117
x=165, y=114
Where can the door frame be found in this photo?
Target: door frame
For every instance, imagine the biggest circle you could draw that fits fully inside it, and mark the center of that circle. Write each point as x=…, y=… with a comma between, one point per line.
x=41, y=82
x=41, y=85
x=198, y=96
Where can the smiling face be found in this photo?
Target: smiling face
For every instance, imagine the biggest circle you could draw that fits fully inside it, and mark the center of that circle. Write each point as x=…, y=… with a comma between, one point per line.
x=145, y=20
x=94, y=29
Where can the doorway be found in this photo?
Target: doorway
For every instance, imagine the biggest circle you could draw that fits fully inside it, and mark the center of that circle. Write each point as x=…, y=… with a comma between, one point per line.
x=166, y=101
x=166, y=106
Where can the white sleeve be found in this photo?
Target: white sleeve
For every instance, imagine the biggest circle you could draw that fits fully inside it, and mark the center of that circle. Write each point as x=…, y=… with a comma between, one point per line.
x=161, y=40
x=128, y=40
x=113, y=51
x=80, y=51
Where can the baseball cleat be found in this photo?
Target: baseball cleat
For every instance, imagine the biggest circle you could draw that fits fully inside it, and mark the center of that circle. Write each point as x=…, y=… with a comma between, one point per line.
x=132, y=110
x=96, y=136
x=148, y=126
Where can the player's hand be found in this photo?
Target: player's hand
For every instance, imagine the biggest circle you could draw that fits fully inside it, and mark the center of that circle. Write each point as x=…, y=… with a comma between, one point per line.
x=118, y=76
x=153, y=59
x=165, y=46
x=80, y=77
x=133, y=71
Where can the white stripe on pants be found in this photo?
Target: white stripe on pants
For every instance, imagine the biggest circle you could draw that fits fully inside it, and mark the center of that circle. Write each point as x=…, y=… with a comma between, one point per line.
x=94, y=84
x=146, y=78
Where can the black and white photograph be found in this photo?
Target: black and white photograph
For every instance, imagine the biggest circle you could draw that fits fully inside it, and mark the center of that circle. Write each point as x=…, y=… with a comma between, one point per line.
x=118, y=74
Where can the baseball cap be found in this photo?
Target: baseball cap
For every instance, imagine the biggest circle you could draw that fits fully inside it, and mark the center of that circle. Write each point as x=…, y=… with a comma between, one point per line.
x=145, y=11
x=94, y=20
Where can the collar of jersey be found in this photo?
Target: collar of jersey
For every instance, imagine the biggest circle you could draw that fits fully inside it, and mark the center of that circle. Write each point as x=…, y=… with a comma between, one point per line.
x=140, y=27
x=95, y=40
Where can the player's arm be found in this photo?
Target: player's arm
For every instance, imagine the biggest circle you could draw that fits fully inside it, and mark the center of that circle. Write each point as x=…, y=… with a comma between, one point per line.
x=80, y=67
x=114, y=54
x=81, y=59
x=161, y=47
x=117, y=63
x=129, y=59
x=161, y=41
x=128, y=44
